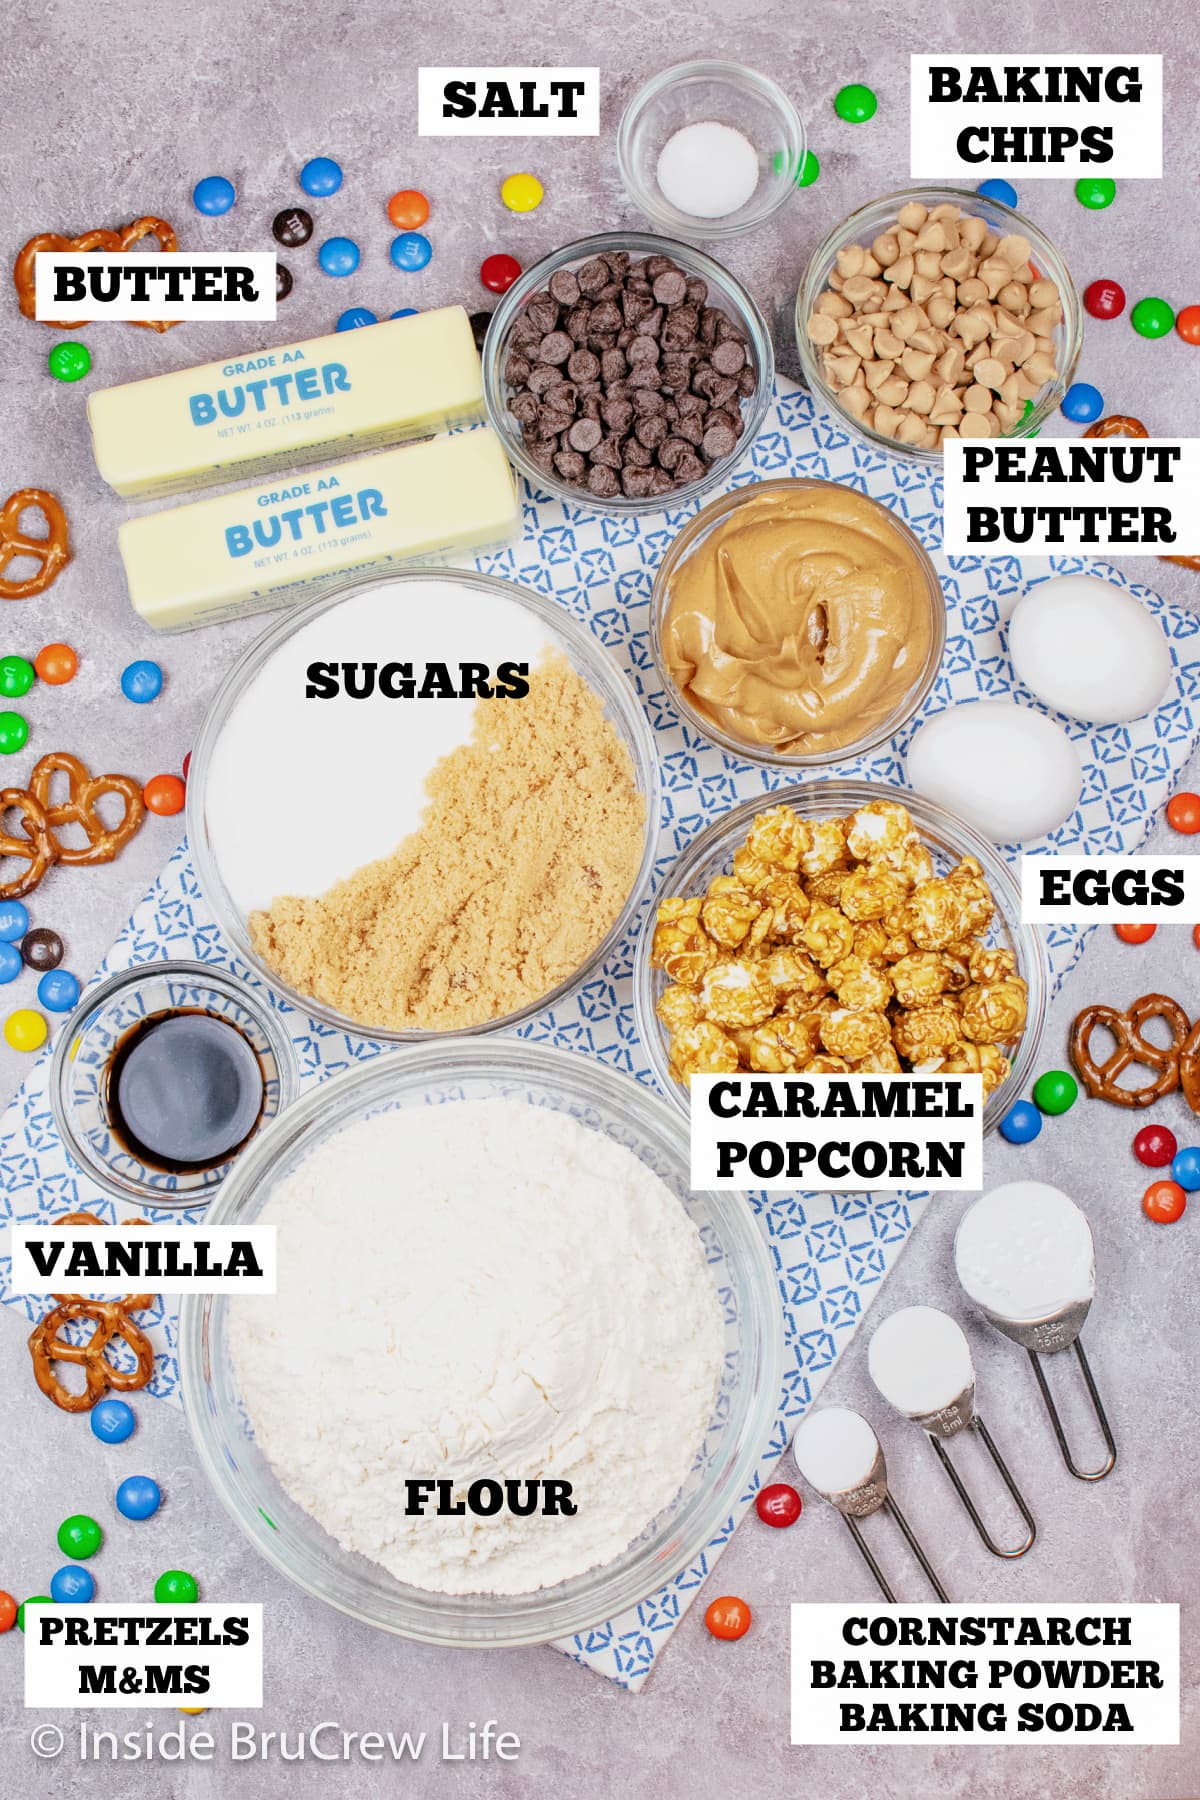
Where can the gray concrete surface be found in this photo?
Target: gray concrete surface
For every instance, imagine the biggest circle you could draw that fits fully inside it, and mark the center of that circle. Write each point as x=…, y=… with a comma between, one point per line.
x=121, y=108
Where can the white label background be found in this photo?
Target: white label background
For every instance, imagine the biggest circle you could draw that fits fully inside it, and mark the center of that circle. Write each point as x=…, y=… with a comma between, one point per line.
x=235, y=1670
x=261, y=263
x=1074, y=912
x=1136, y=125
x=26, y=1278
x=432, y=121
x=1180, y=495
x=1154, y=1712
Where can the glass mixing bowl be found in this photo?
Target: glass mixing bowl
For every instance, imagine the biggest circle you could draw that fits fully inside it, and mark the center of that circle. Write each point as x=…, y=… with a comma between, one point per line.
x=946, y=837
x=591, y=660
x=863, y=227
x=725, y=291
x=603, y=1100
x=694, y=93
x=693, y=534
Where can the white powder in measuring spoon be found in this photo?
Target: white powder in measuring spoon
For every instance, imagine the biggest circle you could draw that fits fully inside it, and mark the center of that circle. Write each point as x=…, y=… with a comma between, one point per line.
x=1025, y=1251
x=482, y=1289
x=920, y=1360
x=707, y=170
x=835, y=1449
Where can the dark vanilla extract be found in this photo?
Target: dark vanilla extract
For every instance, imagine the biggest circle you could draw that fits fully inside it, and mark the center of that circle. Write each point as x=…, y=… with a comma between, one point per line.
x=185, y=1090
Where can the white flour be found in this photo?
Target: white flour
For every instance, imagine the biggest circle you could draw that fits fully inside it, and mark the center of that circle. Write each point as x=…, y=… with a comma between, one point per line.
x=480, y=1289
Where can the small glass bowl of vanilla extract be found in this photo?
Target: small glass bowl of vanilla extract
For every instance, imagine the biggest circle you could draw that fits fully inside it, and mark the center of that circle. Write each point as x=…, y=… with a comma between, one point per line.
x=163, y=1075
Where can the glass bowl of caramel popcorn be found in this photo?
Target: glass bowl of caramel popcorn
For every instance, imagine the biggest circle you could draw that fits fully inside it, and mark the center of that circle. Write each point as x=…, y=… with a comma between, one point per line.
x=842, y=927
x=936, y=313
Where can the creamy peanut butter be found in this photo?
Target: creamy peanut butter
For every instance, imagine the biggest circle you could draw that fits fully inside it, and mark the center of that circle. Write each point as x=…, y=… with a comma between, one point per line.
x=801, y=621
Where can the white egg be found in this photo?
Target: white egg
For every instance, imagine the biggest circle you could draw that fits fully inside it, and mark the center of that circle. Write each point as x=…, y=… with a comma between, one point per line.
x=1090, y=650
x=1011, y=772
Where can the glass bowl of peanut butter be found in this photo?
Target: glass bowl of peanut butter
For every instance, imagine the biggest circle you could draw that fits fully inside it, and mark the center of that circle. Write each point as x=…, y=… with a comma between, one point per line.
x=797, y=623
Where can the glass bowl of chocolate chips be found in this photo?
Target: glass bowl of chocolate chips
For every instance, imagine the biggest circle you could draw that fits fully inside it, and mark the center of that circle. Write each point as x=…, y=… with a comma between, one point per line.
x=627, y=372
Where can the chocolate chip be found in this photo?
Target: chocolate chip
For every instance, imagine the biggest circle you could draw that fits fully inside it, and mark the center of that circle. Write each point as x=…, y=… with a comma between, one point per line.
x=697, y=291
x=585, y=434
x=593, y=276
x=614, y=366
x=570, y=465
x=718, y=441
x=636, y=454
x=729, y=357
x=690, y=427
x=708, y=325
x=689, y=403
x=618, y=261
x=602, y=340
x=590, y=408
x=517, y=368
x=578, y=322
x=617, y=415
x=524, y=332
x=610, y=292
x=636, y=484
x=643, y=350
x=688, y=468
x=602, y=481
x=583, y=365
x=726, y=329
x=644, y=375
x=647, y=401
x=608, y=451
x=555, y=347
x=722, y=390
x=544, y=376
x=661, y=482
x=651, y=325
x=676, y=367
x=670, y=451
x=564, y=287
x=542, y=311
x=561, y=397
x=670, y=287
x=606, y=316
x=540, y=452
x=552, y=424
x=654, y=266
x=524, y=407
x=651, y=430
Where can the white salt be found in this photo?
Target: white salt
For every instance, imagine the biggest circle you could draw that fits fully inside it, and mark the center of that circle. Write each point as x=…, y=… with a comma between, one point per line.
x=920, y=1360
x=708, y=170
x=1025, y=1251
x=835, y=1449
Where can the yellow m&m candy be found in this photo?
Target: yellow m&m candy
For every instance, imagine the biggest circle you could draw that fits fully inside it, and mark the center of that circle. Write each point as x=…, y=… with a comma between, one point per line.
x=521, y=193
x=25, y=1029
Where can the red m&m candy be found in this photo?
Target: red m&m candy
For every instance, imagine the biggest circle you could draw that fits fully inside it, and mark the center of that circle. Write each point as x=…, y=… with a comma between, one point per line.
x=778, y=1505
x=1104, y=299
x=499, y=272
x=1155, y=1146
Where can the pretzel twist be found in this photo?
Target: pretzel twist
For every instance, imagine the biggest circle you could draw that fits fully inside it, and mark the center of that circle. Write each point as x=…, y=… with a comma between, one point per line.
x=110, y=1321
x=52, y=553
x=79, y=808
x=32, y=844
x=1117, y=425
x=1131, y=1050
x=115, y=242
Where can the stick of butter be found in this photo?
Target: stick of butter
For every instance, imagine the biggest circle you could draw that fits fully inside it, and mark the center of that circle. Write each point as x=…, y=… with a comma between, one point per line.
x=263, y=547
x=403, y=379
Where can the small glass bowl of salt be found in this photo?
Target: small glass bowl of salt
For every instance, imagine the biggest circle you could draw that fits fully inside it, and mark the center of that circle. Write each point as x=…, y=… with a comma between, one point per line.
x=709, y=149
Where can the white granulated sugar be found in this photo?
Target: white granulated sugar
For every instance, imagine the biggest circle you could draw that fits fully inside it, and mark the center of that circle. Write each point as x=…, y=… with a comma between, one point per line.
x=707, y=170
x=480, y=1289
x=835, y=1449
x=1024, y=1251
x=920, y=1360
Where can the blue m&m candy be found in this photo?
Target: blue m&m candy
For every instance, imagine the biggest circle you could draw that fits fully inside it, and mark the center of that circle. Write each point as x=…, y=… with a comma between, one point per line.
x=138, y=1497
x=112, y=1421
x=995, y=189
x=72, y=1585
x=355, y=317
x=58, y=990
x=338, y=256
x=405, y=312
x=141, y=682
x=1082, y=402
x=214, y=195
x=321, y=176
x=1185, y=1168
x=14, y=921
x=1021, y=1123
x=411, y=250
x=11, y=963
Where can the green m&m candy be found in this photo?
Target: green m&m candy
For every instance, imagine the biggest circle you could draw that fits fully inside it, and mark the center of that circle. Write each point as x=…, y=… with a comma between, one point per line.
x=69, y=362
x=176, y=1588
x=855, y=103
x=1055, y=1092
x=1152, y=317
x=805, y=175
x=16, y=676
x=79, y=1537
x=1095, y=192
x=33, y=1600
x=14, y=733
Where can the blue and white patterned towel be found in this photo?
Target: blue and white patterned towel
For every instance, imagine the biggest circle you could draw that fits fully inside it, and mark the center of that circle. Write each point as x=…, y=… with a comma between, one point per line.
x=831, y=1253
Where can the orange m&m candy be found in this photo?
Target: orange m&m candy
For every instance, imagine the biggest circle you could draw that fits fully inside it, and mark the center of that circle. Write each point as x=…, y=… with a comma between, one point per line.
x=164, y=794
x=8, y=1611
x=1164, y=1202
x=1183, y=813
x=408, y=209
x=1135, y=934
x=55, y=664
x=1196, y=936
x=728, y=1617
x=1187, y=324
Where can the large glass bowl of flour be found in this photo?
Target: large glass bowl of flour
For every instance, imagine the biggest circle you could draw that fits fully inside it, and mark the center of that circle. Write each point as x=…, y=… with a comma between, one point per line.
x=445, y=1077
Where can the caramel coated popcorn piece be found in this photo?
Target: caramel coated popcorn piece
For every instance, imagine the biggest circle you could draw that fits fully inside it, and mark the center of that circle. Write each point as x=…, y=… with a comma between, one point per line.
x=826, y=849
x=779, y=838
x=926, y=1032
x=880, y=828
x=828, y=934
x=793, y=971
x=737, y=993
x=921, y=978
x=784, y=1045
x=677, y=1007
x=729, y=914
x=854, y=1035
x=703, y=1049
x=871, y=892
x=680, y=945
x=862, y=986
x=994, y=1012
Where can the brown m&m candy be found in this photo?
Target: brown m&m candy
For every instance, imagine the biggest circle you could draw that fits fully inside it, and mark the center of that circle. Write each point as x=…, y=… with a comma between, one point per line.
x=479, y=327
x=41, y=949
x=283, y=281
x=292, y=227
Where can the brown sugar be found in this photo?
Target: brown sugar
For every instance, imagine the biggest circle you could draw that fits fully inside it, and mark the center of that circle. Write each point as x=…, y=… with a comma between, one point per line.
x=527, y=850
